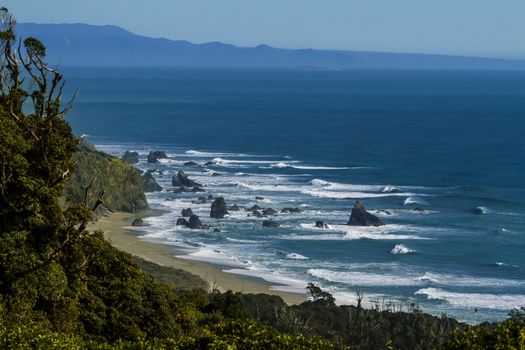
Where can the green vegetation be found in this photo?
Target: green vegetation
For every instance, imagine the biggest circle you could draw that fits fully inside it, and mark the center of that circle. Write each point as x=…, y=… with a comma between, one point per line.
x=121, y=182
x=63, y=287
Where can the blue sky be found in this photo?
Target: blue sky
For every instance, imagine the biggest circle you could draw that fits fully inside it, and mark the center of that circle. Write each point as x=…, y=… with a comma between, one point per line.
x=494, y=28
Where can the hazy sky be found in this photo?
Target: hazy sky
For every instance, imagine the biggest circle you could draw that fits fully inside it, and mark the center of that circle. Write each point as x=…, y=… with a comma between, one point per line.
x=472, y=27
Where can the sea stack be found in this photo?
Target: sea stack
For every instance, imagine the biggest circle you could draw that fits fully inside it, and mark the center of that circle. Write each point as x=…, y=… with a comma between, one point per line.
x=218, y=208
x=181, y=179
x=360, y=217
x=154, y=156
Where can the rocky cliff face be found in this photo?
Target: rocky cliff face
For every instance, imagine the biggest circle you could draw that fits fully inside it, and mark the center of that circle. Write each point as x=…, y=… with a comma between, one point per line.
x=120, y=181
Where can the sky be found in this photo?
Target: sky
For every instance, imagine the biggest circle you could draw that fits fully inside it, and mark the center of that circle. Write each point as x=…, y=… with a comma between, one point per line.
x=490, y=28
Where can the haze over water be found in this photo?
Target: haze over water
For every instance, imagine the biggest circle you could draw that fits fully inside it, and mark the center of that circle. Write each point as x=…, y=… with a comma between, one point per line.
x=449, y=142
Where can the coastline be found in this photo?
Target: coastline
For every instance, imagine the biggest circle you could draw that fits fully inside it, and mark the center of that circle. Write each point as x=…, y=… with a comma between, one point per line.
x=114, y=228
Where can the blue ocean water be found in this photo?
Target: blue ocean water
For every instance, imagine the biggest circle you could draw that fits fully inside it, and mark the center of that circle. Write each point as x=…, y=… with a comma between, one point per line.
x=450, y=142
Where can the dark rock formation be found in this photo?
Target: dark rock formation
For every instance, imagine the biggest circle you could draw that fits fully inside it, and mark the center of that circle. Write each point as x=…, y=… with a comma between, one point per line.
x=186, y=213
x=257, y=214
x=149, y=183
x=270, y=223
x=259, y=198
x=181, y=179
x=194, y=222
x=216, y=230
x=236, y=207
x=291, y=210
x=420, y=209
x=269, y=211
x=210, y=162
x=191, y=163
x=320, y=224
x=154, y=156
x=384, y=211
x=360, y=217
x=137, y=222
x=216, y=174
x=218, y=208
x=182, y=189
x=255, y=207
x=197, y=189
x=130, y=157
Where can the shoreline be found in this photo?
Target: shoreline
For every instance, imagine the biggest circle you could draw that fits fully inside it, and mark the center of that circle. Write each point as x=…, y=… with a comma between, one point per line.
x=114, y=227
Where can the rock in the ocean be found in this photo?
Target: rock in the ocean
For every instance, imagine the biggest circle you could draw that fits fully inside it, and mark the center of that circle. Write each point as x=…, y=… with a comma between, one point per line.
x=197, y=189
x=182, y=222
x=191, y=163
x=255, y=207
x=320, y=224
x=418, y=209
x=182, y=189
x=130, y=157
x=256, y=213
x=236, y=207
x=154, y=156
x=270, y=223
x=269, y=211
x=216, y=174
x=291, y=210
x=186, y=213
x=149, y=183
x=181, y=179
x=385, y=211
x=259, y=198
x=218, y=208
x=137, y=222
x=216, y=230
x=210, y=162
x=360, y=217
x=194, y=222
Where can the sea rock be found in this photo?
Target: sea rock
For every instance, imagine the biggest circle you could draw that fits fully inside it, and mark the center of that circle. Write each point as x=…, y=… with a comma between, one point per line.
x=320, y=224
x=256, y=213
x=269, y=211
x=255, y=207
x=182, y=189
x=130, y=157
x=181, y=179
x=270, y=223
x=137, y=222
x=203, y=199
x=149, y=183
x=259, y=198
x=194, y=222
x=191, y=163
x=197, y=189
x=186, y=213
x=360, y=217
x=154, y=156
x=210, y=162
x=216, y=174
x=236, y=207
x=218, y=208
x=418, y=209
x=385, y=211
x=291, y=210
x=216, y=230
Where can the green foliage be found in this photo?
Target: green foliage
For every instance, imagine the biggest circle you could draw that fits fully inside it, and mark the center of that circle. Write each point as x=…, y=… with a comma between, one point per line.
x=121, y=182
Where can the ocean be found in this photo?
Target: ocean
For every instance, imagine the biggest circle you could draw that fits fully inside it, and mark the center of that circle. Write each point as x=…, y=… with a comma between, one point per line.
x=449, y=142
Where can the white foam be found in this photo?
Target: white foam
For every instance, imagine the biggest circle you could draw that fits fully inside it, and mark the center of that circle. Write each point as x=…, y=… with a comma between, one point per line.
x=210, y=254
x=213, y=154
x=469, y=281
x=365, y=279
x=413, y=200
x=330, y=194
x=296, y=256
x=474, y=300
x=283, y=282
x=401, y=249
x=386, y=232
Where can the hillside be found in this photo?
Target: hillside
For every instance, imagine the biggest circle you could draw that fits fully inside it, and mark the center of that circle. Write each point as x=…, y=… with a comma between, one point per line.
x=89, y=45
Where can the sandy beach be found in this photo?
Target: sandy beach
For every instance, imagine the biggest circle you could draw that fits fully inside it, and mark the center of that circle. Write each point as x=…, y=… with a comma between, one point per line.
x=115, y=232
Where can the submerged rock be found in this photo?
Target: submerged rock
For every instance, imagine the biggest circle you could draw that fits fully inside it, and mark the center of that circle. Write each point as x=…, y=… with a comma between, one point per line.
x=291, y=210
x=181, y=179
x=360, y=217
x=269, y=211
x=255, y=207
x=182, y=189
x=216, y=174
x=203, y=199
x=154, y=156
x=256, y=213
x=186, y=213
x=210, y=162
x=236, y=207
x=385, y=211
x=149, y=183
x=218, y=208
x=259, y=198
x=130, y=157
x=270, y=223
x=191, y=163
x=420, y=209
x=197, y=189
x=137, y=222
x=320, y=224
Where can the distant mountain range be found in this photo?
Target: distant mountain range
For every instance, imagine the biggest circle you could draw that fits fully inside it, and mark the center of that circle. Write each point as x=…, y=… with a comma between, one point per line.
x=89, y=45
